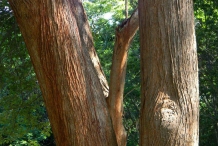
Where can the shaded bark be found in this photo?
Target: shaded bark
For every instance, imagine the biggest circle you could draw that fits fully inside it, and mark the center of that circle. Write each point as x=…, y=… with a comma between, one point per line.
x=124, y=34
x=169, y=74
x=60, y=45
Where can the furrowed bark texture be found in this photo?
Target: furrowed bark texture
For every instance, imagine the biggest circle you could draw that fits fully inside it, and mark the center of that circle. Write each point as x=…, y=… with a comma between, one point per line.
x=124, y=34
x=60, y=45
x=169, y=74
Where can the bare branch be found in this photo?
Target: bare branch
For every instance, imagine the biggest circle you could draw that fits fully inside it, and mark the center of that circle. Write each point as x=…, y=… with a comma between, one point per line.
x=124, y=35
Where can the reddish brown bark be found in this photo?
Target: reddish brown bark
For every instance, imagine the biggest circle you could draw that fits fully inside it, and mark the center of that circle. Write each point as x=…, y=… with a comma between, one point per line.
x=124, y=35
x=60, y=45
x=169, y=74
x=74, y=88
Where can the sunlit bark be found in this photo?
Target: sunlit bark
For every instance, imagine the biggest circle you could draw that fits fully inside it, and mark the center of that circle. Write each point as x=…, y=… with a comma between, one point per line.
x=60, y=45
x=124, y=35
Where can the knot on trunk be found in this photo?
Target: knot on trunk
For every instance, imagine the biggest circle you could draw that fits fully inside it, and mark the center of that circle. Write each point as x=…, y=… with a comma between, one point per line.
x=166, y=114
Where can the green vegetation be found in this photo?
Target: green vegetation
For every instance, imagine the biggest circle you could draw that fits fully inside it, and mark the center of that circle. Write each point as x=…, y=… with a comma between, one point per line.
x=206, y=12
x=23, y=118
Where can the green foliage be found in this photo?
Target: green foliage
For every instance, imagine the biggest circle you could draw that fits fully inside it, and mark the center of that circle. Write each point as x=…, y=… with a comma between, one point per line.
x=22, y=110
x=104, y=16
x=206, y=13
x=132, y=93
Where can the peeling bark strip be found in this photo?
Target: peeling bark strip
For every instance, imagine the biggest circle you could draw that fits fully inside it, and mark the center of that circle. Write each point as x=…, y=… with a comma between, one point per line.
x=60, y=45
x=124, y=35
x=169, y=74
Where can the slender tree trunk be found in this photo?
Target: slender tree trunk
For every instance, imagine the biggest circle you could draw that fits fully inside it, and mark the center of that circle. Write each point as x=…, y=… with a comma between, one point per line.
x=124, y=35
x=169, y=74
x=60, y=45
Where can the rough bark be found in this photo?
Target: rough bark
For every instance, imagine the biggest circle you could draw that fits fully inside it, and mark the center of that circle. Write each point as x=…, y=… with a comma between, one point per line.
x=60, y=45
x=169, y=74
x=124, y=35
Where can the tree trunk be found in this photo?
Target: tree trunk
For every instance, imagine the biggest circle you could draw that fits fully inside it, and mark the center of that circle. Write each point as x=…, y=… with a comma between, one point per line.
x=169, y=74
x=60, y=45
x=124, y=34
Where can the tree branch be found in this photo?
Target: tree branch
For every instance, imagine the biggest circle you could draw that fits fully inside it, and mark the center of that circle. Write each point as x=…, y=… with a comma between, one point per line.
x=124, y=35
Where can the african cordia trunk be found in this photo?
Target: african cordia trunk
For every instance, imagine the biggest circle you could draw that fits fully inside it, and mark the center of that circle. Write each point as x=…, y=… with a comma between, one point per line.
x=60, y=45
x=169, y=74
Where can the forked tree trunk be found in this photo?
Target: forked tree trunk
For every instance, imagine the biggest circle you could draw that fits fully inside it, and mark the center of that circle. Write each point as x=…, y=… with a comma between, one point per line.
x=60, y=45
x=73, y=85
x=74, y=88
x=169, y=74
